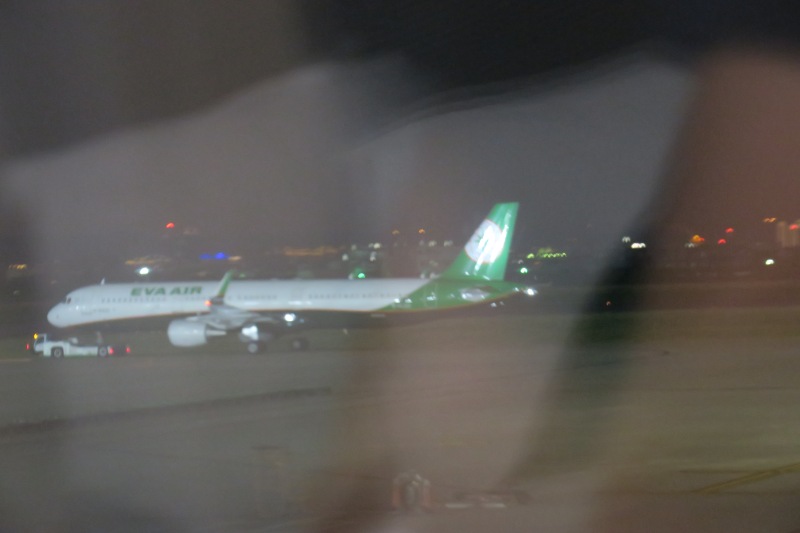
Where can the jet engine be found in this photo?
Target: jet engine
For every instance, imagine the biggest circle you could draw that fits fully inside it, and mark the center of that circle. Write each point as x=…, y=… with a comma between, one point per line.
x=188, y=333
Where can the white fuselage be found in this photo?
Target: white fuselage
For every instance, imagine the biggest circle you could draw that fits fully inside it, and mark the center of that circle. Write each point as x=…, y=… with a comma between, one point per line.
x=110, y=302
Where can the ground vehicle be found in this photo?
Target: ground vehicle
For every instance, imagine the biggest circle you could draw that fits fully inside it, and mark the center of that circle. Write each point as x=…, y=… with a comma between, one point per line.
x=48, y=346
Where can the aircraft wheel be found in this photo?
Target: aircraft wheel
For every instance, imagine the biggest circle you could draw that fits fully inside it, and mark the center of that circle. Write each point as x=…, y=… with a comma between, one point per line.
x=58, y=353
x=102, y=351
x=254, y=347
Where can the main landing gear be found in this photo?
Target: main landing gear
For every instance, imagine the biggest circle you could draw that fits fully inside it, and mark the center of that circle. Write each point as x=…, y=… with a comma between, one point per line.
x=297, y=344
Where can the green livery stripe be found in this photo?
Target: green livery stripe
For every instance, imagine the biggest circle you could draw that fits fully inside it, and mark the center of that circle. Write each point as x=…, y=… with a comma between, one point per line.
x=443, y=294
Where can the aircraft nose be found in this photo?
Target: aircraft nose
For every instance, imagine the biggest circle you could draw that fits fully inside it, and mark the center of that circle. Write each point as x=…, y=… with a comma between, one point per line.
x=54, y=315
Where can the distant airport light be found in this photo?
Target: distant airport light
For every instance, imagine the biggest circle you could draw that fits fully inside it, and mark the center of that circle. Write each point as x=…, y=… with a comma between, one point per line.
x=769, y=262
x=697, y=239
x=220, y=255
x=530, y=291
x=361, y=275
x=523, y=270
x=722, y=241
x=205, y=257
x=143, y=271
x=290, y=317
x=421, y=231
x=170, y=225
x=638, y=245
x=770, y=220
x=626, y=239
x=794, y=227
x=729, y=230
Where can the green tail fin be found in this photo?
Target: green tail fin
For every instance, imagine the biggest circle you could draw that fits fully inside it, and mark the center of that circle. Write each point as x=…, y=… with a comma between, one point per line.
x=485, y=256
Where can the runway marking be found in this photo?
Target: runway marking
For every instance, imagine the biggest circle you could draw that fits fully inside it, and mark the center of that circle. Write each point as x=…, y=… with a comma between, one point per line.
x=755, y=477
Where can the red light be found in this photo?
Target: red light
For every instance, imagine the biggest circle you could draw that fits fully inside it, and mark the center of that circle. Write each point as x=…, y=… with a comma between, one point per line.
x=170, y=225
x=127, y=349
x=729, y=230
x=794, y=227
x=722, y=241
x=110, y=350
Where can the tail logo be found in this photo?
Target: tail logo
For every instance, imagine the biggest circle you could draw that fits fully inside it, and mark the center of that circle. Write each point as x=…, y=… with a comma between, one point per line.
x=486, y=243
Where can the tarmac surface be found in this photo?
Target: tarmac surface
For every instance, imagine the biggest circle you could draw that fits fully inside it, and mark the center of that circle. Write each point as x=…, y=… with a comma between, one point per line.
x=661, y=436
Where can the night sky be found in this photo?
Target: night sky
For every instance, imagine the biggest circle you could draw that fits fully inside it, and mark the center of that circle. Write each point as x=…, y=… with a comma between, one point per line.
x=318, y=120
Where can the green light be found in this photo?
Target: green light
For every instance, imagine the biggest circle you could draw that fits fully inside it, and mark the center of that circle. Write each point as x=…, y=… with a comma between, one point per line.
x=523, y=270
x=361, y=275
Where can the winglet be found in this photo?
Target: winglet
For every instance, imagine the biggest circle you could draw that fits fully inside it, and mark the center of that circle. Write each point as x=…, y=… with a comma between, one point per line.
x=219, y=297
x=485, y=256
x=223, y=285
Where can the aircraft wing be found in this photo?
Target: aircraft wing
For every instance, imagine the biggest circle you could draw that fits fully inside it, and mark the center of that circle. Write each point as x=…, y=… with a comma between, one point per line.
x=224, y=317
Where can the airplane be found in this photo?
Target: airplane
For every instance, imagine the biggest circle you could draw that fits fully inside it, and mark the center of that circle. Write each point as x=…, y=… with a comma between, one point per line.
x=261, y=310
